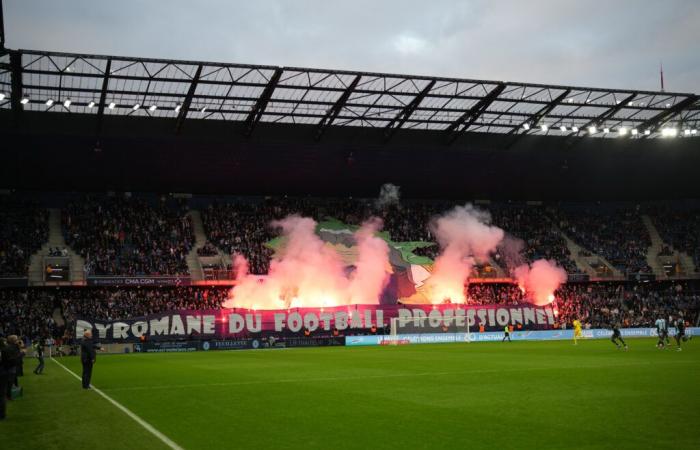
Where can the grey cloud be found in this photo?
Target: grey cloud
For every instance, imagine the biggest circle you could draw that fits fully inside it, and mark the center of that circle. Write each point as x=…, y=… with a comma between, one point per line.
x=595, y=43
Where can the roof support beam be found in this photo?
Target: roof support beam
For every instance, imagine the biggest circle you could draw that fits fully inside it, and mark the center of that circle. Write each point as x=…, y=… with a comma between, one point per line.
x=103, y=98
x=185, y=107
x=468, y=118
x=535, y=118
x=664, y=116
x=16, y=85
x=259, y=107
x=406, y=112
x=333, y=112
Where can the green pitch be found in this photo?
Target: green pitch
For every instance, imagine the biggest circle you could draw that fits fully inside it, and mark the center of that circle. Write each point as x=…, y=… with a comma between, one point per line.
x=459, y=396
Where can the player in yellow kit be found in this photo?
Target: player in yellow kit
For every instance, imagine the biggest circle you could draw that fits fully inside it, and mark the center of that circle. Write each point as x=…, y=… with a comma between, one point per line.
x=578, y=334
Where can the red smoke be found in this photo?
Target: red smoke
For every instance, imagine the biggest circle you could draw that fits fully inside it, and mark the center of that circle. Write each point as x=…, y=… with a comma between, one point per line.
x=466, y=237
x=540, y=280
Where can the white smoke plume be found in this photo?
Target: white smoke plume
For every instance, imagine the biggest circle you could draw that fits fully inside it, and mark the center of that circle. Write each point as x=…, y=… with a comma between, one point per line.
x=310, y=274
x=389, y=195
x=370, y=276
x=240, y=266
x=540, y=280
x=466, y=237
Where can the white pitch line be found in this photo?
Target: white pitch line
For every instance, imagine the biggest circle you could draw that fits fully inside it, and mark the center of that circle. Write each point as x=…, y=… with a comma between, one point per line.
x=150, y=428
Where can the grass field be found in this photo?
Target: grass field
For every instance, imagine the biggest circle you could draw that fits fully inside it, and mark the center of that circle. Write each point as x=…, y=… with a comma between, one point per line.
x=492, y=395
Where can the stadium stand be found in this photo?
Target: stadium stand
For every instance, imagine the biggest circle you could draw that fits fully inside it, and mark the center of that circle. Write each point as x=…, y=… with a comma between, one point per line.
x=129, y=236
x=617, y=234
x=680, y=229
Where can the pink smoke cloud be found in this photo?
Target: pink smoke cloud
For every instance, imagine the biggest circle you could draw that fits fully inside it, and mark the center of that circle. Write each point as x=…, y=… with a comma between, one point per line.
x=308, y=273
x=466, y=237
x=540, y=279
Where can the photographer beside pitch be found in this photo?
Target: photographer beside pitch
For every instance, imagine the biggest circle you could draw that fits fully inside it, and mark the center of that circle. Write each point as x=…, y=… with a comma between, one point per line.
x=88, y=356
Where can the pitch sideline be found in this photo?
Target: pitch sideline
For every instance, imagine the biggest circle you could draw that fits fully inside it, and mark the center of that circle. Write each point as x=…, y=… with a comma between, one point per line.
x=150, y=428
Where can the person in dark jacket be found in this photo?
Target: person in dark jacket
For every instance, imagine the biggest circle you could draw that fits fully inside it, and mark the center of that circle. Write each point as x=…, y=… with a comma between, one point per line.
x=9, y=357
x=88, y=356
x=11, y=362
x=3, y=379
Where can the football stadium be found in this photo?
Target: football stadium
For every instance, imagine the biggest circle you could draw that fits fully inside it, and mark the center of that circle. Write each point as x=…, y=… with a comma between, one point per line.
x=201, y=255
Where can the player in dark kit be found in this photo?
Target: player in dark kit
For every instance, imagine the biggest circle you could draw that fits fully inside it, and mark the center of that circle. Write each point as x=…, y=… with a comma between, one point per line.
x=680, y=332
x=616, y=337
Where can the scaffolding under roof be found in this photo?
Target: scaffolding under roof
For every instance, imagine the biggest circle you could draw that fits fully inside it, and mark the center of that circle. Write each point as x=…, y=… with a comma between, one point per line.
x=192, y=90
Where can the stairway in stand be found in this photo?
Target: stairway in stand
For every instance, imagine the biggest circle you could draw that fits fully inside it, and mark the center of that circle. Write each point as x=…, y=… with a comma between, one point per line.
x=36, y=262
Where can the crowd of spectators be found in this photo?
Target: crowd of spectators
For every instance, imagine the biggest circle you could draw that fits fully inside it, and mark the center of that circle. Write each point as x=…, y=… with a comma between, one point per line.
x=599, y=305
x=680, y=228
x=617, y=235
x=118, y=303
x=120, y=235
x=244, y=226
x=534, y=227
x=129, y=236
x=29, y=312
x=208, y=249
x=24, y=229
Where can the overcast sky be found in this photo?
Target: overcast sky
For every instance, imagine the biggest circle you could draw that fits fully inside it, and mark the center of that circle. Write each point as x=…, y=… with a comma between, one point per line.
x=612, y=43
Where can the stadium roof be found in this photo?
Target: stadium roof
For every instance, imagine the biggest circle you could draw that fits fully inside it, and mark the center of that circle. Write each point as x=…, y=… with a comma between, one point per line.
x=66, y=83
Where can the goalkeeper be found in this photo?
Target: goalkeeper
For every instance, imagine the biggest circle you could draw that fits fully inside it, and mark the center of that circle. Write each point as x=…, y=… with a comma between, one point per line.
x=578, y=333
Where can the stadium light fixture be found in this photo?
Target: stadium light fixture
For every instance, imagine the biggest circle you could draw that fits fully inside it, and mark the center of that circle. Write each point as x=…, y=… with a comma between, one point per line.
x=112, y=105
x=136, y=106
x=686, y=132
x=693, y=131
x=203, y=110
x=91, y=105
x=606, y=130
x=634, y=132
x=526, y=126
x=647, y=132
x=24, y=101
x=622, y=131
x=177, y=108
x=49, y=102
x=669, y=132
x=562, y=128
x=544, y=127
x=574, y=129
x=592, y=130
x=66, y=103
x=152, y=108
x=2, y=96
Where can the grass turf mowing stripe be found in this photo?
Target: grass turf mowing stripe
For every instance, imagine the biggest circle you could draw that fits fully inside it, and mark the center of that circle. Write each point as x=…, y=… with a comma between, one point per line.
x=370, y=377
x=166, y=440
